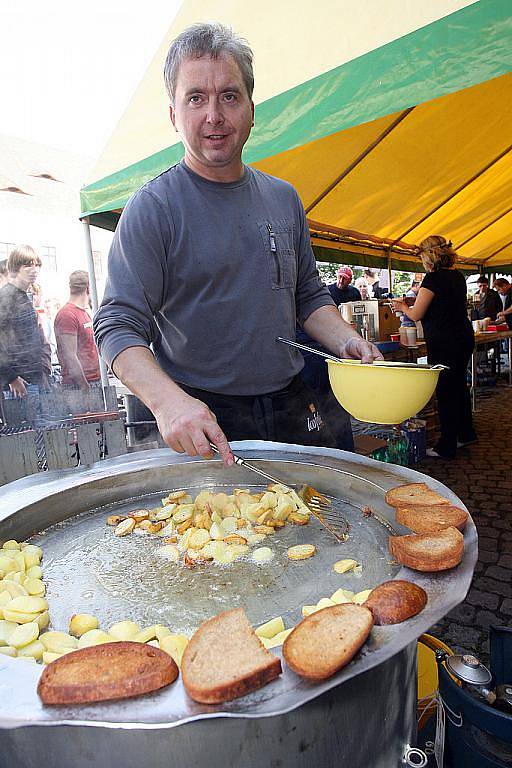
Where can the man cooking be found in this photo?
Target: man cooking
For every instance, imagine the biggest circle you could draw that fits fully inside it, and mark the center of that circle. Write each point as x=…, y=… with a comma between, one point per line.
x=212, y=261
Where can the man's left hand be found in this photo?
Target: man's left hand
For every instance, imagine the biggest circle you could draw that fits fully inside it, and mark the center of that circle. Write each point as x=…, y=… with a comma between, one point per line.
x=358, y=349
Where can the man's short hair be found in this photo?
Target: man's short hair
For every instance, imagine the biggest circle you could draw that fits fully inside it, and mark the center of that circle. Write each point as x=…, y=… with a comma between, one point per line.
x=22, y=256
x=78, y=281
x=209, y=39
x=501, y=282
x=483, y=279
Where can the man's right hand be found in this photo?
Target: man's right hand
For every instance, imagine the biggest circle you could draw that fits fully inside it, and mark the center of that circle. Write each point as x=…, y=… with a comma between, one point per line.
x=500, y=316
x=18, y=387
x=190, y=426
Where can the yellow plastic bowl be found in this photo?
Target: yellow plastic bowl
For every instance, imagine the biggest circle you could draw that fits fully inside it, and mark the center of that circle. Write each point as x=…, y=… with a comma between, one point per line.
x=383, y=392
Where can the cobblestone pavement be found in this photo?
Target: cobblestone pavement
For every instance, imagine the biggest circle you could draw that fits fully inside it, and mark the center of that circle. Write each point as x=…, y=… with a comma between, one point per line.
x=481, y=475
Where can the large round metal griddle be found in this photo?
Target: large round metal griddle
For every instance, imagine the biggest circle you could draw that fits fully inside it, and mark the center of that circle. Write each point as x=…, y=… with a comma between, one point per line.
x=88, y=570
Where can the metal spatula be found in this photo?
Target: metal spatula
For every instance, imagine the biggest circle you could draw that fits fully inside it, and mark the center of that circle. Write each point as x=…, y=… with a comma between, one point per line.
x=320, y=505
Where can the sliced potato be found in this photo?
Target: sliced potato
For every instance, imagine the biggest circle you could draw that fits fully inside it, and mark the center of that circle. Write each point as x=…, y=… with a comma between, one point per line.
x=24, y=634
x=183, y=543
x=301, y=551
x=198, y=539
x=169, y=552
x=54, y=639
x=325, y=602
x=229, y=524
x=11, y=544
x=360, y=597
x=49, y=656
x=307, y=610
x=298, y=518
x=266, y=529
x=124, y=630
x=342, y=596
x=161, y=631
x=217, y=531
x=13, y=588
x=271, y=627
x=343, y=566
x=43, y=620
x=8, y=564
x=182, y=515
x=95, y=637
x=35, y=572
x=165, y=513
x=174, y=645
x=115, y=519
x=125, y=527
x=8, y=650
x=139, y=515
x=145, y=635
x=277, y=640
x=167, y=530
x=6, y=629
x=80, y=623
x=28, y=604
x=34, y=587
x=262, y=555
x=35, y=650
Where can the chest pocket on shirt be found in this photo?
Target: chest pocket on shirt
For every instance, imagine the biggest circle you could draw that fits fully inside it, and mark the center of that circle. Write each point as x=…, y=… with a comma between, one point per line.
x=279, y=249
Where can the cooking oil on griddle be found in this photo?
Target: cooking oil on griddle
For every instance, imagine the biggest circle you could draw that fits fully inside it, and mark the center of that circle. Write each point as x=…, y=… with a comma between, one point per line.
x=89, y=570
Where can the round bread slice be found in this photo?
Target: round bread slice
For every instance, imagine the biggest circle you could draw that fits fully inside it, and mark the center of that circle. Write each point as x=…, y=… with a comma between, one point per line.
x=226, y=659
x=429, y=519
x=103, y=672
x=414, y=494
x=325, y=642
x=429, y=551
x=396, y=601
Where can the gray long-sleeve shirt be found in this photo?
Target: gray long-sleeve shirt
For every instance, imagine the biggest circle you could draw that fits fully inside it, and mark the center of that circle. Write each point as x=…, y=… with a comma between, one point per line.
x=209, y=274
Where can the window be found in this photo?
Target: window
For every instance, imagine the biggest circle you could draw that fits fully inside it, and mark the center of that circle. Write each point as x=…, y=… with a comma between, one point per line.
x=5, y=249
x=49, y=258
x=98, y=264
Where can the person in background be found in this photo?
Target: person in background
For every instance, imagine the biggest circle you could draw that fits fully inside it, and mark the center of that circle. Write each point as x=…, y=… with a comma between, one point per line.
x=413, y=290
x=341, y=291
x=24, y=350
x=505, y=290
x=4, y=275
x=76, y=349
x=373, y=281
x=363, y=288
x=441, y=306
x=490, y=302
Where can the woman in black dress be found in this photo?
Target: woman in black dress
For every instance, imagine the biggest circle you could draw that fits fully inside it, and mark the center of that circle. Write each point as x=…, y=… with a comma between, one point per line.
x=441, y=306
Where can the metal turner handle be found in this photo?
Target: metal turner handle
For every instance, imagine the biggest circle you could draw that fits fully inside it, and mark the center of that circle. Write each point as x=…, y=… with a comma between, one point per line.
x=324, y=355
x=242, y=463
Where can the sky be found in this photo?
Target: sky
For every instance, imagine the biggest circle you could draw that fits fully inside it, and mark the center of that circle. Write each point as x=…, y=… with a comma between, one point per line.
x=68, y=68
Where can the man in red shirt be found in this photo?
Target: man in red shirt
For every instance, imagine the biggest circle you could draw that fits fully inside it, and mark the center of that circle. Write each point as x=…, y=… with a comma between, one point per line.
x=76, y=349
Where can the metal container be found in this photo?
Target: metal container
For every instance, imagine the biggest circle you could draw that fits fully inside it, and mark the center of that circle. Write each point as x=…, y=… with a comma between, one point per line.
x=365, y=713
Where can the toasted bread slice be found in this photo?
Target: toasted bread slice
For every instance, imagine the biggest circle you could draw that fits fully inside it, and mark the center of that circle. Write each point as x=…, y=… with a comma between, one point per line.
x=325, y=642
x=429, y=519
x=437, y=551
x=396, y=601
x=225, y=659
x=103, y=672
x=414, y=494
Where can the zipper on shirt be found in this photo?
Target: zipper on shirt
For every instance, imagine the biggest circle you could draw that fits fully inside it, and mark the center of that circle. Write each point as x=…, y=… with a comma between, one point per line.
x=273, y=249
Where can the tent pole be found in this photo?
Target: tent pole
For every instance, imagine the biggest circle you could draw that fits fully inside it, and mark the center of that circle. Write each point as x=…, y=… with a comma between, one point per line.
x=390, y=273
x=94, y=298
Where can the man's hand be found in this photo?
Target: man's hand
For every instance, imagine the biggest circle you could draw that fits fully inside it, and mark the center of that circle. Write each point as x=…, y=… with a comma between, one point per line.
x=18, y=387
x=190, y=427
x=500, y=316
x=358, y=349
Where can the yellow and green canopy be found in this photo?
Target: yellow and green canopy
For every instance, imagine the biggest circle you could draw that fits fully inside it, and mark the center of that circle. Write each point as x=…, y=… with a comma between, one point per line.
x=392, y=119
